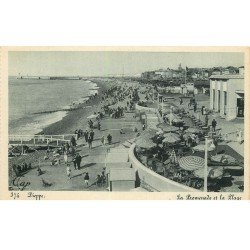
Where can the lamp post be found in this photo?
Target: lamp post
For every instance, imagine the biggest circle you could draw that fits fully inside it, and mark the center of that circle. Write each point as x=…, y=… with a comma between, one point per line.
x=205, y=167
x=211, y=146
x=162, y=106
x=171, y=116
x=158, y=101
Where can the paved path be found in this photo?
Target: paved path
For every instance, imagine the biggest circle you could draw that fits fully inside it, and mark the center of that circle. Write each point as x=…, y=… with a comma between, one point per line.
x=93, y=160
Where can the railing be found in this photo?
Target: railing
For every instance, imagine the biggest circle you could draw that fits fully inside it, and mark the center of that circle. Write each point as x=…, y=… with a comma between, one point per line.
x=40, y=139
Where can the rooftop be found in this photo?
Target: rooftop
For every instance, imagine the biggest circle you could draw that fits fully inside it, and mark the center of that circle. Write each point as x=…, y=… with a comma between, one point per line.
x=226, y=77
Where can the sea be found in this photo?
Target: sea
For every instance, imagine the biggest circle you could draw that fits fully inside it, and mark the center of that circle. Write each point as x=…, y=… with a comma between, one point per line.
x=35, y=103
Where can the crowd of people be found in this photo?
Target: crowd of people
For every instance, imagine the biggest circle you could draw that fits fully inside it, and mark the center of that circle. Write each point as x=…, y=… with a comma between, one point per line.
x=21, y=168
x=115, y=101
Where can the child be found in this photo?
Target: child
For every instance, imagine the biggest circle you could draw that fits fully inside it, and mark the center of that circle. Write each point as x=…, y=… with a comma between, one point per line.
x=86, y=178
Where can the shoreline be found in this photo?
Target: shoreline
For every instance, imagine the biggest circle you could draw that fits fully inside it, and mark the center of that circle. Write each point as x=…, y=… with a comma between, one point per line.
x=76, y=119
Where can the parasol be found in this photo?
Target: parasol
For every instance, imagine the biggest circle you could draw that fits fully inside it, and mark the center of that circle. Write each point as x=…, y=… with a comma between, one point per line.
x=192, y=163
x=212, y=173
x=144, y=143
x=148, y=134
x=168, y=128
x=171, y=138
x=223, y=157
x=177, y=120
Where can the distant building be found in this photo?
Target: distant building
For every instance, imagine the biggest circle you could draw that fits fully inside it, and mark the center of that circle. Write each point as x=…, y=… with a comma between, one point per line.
x=187, y=88
x=206, y=73
x=227, y=95
x=225, y=72
x=241, y=70
x=216, y=72
x=195, y=76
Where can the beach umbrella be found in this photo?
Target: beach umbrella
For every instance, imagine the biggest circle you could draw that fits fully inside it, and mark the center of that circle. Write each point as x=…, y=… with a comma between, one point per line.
x=192, y=163
x=223, y=157
x=171, y=138
x=212, y=173
x=144, y=143
x=192, y=130
x=167, y=128
x=149, y=134
x=177, y=120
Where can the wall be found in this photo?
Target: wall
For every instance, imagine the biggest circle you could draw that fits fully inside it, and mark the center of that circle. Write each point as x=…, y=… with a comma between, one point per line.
x=122, y=185
x=233, y=86
x=230, y=86
x=156, y=181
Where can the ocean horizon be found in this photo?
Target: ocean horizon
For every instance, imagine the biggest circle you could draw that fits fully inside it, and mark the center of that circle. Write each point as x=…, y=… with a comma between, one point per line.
x=36, y=103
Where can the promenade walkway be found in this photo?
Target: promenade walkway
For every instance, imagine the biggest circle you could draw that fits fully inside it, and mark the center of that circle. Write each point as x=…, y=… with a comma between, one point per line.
x=93, y=160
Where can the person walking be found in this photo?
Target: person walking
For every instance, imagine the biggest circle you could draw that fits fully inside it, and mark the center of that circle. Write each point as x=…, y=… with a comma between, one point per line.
x=76, y=133
x=67, y=146
x=103, y=140
x=109, y=137
x=90, y=141
x=99, y=125
x=86, y=135
x=78, y=161
x=74, y=159
x=195, y=106
x=91, y=134
x=73, y=141
x=86, y=179
x=206, y=120
x=214, y=124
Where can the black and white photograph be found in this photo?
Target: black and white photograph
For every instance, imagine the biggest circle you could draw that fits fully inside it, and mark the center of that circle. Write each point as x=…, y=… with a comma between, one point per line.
x=126, y=121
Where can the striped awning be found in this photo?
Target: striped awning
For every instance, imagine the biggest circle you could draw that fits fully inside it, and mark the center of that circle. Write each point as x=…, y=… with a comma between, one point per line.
x=192, y=163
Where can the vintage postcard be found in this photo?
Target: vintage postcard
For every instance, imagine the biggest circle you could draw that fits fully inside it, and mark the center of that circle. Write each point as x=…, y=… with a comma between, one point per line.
x=124, y=123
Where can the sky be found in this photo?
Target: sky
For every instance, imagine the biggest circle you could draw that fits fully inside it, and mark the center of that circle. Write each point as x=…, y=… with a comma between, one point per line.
x=58, y=63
